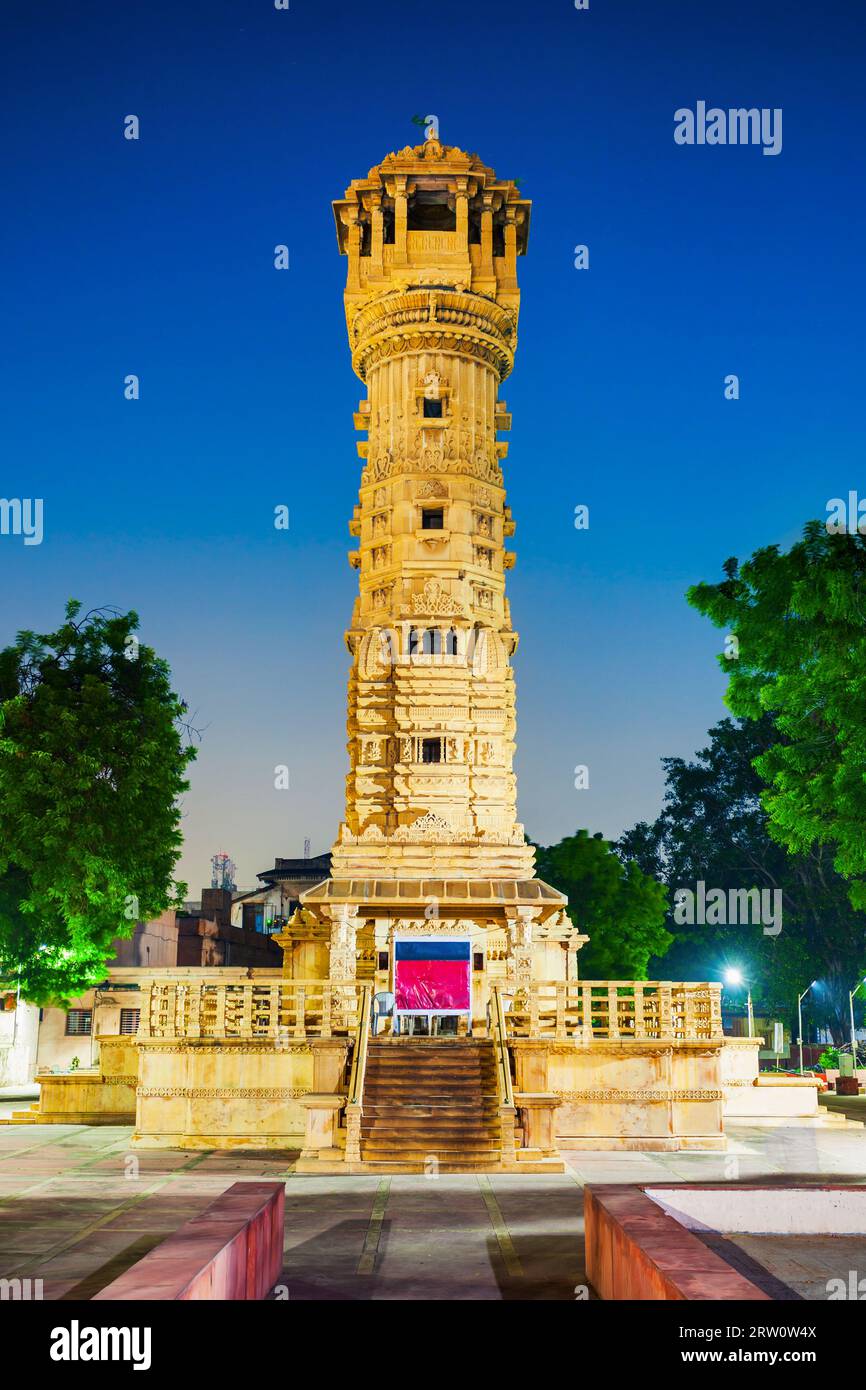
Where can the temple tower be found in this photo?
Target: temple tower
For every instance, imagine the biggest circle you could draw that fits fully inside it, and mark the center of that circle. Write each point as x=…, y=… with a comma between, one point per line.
x=432, y=238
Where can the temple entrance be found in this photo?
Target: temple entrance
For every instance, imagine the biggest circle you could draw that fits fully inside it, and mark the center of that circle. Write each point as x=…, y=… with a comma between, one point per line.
x=432, y=986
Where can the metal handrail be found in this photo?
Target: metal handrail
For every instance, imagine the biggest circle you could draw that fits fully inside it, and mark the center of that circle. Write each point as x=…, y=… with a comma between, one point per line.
x=503, y=1065
x=359, y=1051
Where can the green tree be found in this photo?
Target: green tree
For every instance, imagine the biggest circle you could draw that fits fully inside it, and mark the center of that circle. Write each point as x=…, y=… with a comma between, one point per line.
x=713, y=827
x=799, y=620
x=93, y=750
x=621, y=908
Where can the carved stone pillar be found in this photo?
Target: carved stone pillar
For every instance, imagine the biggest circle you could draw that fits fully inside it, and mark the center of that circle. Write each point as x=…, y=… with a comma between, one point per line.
x=510, y=246
x=519, y=965
x=461, y=209
x=401, y=216
x=377, y=232
x=344, y=927
x=487, y=236
x=352, y=220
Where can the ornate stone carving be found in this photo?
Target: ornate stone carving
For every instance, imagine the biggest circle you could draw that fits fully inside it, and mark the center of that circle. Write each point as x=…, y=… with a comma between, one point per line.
x=614, y=1095
x=431, y=488
x=221, y=1092
x=431, y=828
x=435, y=601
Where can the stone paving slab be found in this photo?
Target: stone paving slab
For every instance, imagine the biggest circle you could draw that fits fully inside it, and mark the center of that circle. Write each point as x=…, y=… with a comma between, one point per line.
x=807, y=1264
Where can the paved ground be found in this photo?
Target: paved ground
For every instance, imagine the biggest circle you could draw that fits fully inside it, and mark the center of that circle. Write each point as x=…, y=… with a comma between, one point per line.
x=807, y=1265
x=77, y=1206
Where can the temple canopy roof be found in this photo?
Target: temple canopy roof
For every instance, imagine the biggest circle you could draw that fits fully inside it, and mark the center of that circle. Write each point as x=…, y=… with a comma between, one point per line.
x=465, y=893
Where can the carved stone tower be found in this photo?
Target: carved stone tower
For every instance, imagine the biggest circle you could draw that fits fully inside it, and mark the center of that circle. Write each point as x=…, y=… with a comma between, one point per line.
x=432, y=238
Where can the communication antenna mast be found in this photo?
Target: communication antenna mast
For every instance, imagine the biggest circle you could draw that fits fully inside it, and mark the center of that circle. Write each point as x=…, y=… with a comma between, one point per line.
x=223, y=872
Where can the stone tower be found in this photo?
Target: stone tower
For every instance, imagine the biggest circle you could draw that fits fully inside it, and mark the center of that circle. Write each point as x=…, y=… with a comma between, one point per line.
x=432, y=237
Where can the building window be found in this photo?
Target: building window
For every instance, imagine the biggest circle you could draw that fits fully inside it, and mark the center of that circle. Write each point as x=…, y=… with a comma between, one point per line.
x=432, y=410
x=432, y=641
x=129, y=1020
x=414, y=641
x=253, y=917
x=431, y=750
x=451, y=642
x=79, y=1023
x=432, y=518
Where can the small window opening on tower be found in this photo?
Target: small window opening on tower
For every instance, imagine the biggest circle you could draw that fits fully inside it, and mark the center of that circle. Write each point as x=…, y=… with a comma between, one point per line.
x=432, y=641
x=451, y=642
x=429, y=212
x=499, y=238
x=431, y=750
x=432, y=409
x=387, y=225
x=432, y=518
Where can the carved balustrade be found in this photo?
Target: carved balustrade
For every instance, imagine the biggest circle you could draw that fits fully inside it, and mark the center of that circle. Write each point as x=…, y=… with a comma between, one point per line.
x=587, y=1011
x=278, y=1009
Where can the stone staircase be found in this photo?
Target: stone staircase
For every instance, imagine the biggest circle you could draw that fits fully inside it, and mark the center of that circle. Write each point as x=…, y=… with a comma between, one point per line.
x=431, y=1098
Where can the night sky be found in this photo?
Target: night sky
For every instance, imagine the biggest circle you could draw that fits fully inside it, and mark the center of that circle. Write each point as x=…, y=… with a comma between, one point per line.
x=155, y=257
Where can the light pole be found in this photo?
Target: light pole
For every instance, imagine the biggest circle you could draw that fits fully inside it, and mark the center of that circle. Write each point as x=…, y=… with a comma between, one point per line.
x=734, y=976
x=851, y=994
x=800, y=998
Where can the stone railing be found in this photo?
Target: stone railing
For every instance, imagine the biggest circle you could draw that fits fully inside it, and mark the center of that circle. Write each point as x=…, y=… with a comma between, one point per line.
x=588, y=1011
x=276, y=1008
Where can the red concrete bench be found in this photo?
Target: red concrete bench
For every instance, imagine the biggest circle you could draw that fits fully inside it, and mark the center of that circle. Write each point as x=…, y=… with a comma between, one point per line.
x=635, y=1250
x=232, y=1250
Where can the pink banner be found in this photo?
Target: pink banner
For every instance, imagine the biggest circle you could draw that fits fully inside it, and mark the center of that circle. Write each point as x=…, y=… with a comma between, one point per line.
x=425, y=986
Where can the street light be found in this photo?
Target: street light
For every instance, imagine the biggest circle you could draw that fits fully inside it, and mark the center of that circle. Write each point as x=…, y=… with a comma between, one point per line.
x=734, y=976
x=800, y=998
x=851, y=994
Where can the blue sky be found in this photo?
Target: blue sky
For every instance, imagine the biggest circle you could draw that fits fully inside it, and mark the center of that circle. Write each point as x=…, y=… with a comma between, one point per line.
x=155, y=257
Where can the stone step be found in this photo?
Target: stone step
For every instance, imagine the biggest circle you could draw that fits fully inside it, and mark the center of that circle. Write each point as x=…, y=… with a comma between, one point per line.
x=426, y=1099
x=419, y=1114
x=406, y=1044
x=429, y=1089
x=418, y=1153
x=433, y=1129
x=419, y=1106
x=415, y=1166
x=401, y=1067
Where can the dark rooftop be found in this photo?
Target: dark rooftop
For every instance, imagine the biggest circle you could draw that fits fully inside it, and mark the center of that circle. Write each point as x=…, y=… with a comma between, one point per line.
x=312, y=870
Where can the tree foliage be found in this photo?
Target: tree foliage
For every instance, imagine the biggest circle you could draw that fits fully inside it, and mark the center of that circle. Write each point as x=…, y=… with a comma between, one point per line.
x=93, y=751
x=713, y=827
x=799, y=619
x=621, y=908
